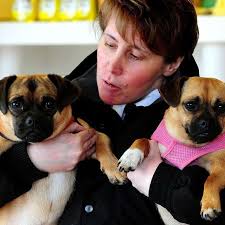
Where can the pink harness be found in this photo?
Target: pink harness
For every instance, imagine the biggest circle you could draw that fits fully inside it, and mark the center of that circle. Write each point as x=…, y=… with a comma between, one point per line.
x=181, y=155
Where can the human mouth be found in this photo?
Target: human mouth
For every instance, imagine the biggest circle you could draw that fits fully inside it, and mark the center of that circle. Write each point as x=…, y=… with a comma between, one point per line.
x=110, y=85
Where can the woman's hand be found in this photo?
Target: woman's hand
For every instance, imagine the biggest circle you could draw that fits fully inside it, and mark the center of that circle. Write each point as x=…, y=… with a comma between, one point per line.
x=63, y=152
x=141, y=178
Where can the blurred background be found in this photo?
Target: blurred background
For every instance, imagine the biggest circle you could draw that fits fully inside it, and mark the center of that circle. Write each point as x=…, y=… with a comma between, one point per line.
x=53, y=36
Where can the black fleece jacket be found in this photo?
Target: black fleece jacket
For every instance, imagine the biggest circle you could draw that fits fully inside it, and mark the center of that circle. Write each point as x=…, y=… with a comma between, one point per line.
x=95, y=201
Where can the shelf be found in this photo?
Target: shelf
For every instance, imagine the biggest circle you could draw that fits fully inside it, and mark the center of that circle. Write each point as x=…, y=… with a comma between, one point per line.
x=211, y=29
x=52, y=33
x=86, y=33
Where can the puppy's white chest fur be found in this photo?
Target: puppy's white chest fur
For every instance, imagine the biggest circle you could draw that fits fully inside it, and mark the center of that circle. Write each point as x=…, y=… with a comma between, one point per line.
x=46, y=200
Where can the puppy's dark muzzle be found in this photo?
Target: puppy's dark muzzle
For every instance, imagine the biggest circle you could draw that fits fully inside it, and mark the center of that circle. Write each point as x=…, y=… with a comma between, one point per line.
x=33, y=137
x=203, y=130
x=34, y=128
x=29, y=121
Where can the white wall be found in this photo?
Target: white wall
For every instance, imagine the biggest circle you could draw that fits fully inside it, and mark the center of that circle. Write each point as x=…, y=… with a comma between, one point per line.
x=41, y=59
x=63, y=59
x=211, y=60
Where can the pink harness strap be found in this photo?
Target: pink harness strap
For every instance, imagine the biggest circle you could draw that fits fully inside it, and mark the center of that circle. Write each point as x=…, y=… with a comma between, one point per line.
x=181, y=155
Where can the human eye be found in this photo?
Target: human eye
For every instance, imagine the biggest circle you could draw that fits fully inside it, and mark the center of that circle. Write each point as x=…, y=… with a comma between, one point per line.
x=110, y=44
x=134, y=55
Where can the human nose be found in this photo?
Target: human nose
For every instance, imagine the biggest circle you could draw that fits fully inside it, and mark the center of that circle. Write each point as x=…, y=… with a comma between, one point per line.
x=116, y=63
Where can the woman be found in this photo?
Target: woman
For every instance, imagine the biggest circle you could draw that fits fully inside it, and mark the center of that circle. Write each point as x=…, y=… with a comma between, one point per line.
x=143, y=42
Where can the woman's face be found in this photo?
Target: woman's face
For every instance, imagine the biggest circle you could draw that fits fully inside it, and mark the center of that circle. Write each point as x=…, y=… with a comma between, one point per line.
x=126, y=69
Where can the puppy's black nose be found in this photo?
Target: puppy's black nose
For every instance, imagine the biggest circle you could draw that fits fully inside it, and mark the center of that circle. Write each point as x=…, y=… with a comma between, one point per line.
x=29, y=121
x=203, y=124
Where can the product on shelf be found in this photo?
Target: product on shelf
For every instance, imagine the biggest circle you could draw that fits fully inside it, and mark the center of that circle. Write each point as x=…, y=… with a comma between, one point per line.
x=5, y=9
x=67, y=9
x=86, y=10
x=219, y=9
x=47, y=10
x=204, y=6
x=214, y=7
x=24, y=10
x=208, y=3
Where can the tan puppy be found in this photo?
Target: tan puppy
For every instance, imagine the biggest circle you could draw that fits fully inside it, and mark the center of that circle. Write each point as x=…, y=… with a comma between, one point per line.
x=195, y=118
x=32, y=109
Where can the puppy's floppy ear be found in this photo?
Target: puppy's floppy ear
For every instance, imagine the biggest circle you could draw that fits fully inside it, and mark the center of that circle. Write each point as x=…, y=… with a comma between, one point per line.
x=171, y=89
x=5, y=84
x=67, y=91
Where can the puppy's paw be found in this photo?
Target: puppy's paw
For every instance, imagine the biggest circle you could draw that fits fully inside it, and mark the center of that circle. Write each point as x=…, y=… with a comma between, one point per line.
x=118, y=178
x=210, y=214
x=210, y=204
x=109, y=168
x=130, y=159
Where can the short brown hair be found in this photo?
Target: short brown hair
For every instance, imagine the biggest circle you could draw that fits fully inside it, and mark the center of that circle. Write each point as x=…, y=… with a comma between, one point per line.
x=168, y=27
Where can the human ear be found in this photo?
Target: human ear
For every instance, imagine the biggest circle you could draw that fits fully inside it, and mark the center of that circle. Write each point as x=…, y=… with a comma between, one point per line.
x=171, y=68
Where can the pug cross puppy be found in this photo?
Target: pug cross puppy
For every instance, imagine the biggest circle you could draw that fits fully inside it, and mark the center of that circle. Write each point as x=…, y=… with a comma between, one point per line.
x=193, y=130
x=34, y=108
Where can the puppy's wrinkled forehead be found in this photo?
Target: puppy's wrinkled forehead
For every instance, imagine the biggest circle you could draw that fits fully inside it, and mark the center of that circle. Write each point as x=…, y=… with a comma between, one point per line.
x=208, y=90
x=32, y=87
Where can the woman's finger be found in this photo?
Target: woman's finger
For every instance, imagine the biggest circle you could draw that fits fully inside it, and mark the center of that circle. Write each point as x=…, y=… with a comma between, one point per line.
x=90, y=142
x=86, y=135
x=74, y=128
x=90, y=152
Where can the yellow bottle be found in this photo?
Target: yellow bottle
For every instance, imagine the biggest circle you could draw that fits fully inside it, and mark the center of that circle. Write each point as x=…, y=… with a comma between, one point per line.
x=6, y=10
x=67, y=9
x=86, y=10
x=24, y=10
x=47, y=10
x=219, y=8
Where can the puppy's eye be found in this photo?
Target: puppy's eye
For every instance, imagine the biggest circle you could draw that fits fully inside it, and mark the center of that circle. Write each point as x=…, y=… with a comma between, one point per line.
x=192, y=106
x=49, y=104
x=17, y=105
x=219, y=108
